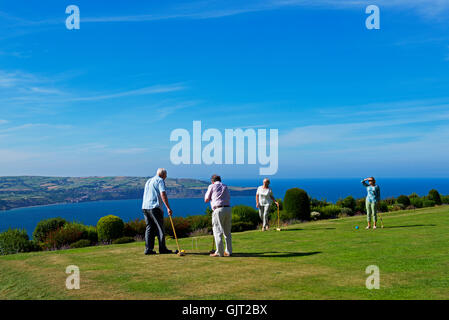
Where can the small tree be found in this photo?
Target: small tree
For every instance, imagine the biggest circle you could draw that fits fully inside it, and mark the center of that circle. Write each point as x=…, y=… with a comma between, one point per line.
x=297, y=203
x=435, y=196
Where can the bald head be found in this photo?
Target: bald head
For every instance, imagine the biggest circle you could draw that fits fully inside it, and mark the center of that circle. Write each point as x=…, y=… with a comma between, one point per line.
x=161, y=172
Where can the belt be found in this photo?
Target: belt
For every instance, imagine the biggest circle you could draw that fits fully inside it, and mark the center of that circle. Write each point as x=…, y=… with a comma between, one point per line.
x=221, y=207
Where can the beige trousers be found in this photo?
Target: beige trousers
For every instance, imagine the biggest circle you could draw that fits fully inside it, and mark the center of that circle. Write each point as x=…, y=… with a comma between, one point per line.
x=221, y=226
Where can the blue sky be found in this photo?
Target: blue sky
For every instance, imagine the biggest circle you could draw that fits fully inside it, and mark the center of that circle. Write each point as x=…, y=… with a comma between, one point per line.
x=103, y=100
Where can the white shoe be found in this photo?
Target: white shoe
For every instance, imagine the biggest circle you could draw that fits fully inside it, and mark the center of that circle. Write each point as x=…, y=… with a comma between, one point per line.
x=374, y=227
x=367, y=228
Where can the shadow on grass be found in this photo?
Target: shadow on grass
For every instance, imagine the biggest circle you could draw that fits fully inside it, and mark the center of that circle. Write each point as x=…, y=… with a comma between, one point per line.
x=273, y=254
x=410, y=226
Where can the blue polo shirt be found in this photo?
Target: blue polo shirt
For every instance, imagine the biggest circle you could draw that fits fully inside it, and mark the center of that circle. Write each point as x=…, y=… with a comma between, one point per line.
x=152, y=194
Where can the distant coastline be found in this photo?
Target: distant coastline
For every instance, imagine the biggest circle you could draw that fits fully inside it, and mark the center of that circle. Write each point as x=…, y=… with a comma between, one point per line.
x=33, y=191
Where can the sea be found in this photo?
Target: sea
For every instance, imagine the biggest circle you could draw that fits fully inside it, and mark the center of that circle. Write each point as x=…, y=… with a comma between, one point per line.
x=329, y=189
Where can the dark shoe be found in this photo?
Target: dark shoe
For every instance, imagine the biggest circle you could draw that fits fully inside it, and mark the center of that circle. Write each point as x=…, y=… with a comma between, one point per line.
x=166, y=251
x=150, y=252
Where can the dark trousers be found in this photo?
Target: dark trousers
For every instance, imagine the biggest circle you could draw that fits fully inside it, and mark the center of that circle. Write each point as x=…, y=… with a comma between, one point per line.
x=154, y=218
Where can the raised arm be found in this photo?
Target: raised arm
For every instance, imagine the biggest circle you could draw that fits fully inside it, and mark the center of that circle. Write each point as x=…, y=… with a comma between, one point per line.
x=364, y=183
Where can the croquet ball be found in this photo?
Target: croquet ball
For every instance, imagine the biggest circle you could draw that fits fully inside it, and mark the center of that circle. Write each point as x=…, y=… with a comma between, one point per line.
x=356, y=227
x=182, y=251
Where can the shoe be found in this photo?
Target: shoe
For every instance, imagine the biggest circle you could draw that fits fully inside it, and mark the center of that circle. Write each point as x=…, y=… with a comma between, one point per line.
x=367, y=228
x=166, y=251
x=214, y=255
x=227, y=254
x=374, y=227
x=149, y=252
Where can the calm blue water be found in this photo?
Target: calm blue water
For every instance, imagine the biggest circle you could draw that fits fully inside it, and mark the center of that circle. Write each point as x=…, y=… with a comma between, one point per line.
x=329, y=189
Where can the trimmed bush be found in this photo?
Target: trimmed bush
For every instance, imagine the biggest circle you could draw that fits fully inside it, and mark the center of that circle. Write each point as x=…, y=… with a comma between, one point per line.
x=44, y=227
x=14, y=241
x=404, y=200
x=80, y=244
x=123, y=240
x=109, y=228
x=297, y=202
x=434, y=195
x=182, y=227
x=242, y=213
x=348, y=202
x=135, y=228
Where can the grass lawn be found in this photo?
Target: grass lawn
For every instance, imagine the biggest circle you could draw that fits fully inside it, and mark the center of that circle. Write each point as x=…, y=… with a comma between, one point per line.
x=316, y=260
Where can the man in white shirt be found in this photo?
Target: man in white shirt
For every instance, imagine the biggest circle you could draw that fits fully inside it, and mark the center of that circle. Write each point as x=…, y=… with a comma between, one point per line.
x=153, y=197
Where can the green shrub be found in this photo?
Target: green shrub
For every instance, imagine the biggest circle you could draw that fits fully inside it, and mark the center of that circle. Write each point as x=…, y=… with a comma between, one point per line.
x=135, y=228
x=348, y=202
x=123, y=240
x=199, y=222
x=91, y=234
x=297, y=202
x=182, y=227
x=390, y=201
x=434, y=195
x=242, y=213
x=404, y=200
x=329, y=212
x=360, y=206
x=445, y=199
x=64, y=236
x=110, y=228
x=416, y=202
x=319, y=203
x=44, y=227
x=240, y=226
x=413, y=195
x=396, y=207
x=80, y=244
x=344, y=212
x=382, y=206
x=428, y=203
x=15, y=241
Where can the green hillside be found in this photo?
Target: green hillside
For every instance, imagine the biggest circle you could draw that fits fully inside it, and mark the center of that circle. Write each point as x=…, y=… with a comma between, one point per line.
x=25, y=191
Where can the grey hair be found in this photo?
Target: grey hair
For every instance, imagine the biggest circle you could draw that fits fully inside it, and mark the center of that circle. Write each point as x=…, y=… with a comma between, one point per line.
x=266, y=179
x=161, y=171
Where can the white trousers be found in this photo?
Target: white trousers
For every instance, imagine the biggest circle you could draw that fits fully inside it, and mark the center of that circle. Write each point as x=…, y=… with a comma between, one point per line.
x=221, y=226
x=263, y=214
